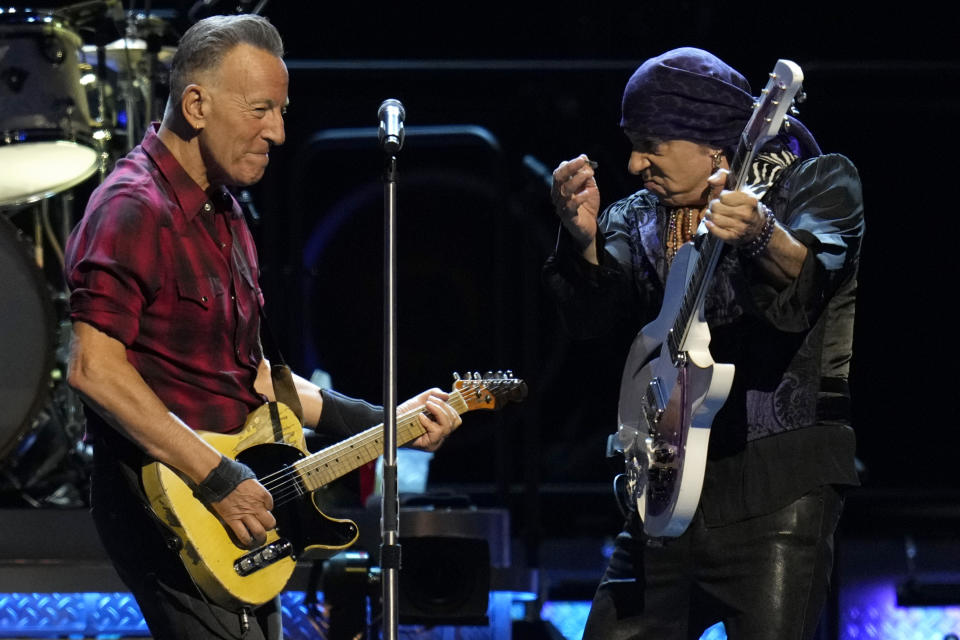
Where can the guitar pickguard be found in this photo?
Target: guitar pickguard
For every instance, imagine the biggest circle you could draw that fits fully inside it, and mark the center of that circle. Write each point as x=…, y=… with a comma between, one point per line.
x=300, y=520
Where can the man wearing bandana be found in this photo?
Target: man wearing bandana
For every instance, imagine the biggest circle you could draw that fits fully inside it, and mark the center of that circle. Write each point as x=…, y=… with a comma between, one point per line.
x=758, y=552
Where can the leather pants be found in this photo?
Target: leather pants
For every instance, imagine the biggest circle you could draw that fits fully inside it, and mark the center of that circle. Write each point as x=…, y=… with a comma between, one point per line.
x=765, y=578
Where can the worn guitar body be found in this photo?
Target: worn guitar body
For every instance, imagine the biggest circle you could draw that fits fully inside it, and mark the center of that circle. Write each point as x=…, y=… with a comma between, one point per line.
x=272, y=444
x=666, y=411
x=207, y=550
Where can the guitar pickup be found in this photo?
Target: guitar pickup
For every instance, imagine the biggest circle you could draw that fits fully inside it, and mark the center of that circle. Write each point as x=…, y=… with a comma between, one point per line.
x=656, y=402
x=262, y=557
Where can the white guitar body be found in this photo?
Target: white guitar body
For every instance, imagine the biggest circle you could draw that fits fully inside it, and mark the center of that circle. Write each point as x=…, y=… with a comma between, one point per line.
x=666, y=410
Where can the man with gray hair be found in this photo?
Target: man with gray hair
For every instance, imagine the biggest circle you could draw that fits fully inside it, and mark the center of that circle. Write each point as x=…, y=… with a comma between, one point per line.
x=166, y=308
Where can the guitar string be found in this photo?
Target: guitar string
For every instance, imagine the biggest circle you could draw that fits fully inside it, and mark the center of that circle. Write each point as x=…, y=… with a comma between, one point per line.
x=288, y=484
x=361, y=439
x=284, y=484
x=709, y=253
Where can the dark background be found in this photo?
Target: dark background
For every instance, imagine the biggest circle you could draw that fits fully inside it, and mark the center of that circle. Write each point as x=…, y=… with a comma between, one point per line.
x=521, y=88
x=881, y=89
x=475, y=223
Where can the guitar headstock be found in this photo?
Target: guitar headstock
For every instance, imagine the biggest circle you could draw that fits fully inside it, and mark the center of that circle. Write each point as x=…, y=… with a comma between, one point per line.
x=490, y=391
x=776, y=99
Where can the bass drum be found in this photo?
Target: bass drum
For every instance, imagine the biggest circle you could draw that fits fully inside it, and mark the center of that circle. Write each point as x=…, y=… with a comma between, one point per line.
x=27, y=339
x=46, y=142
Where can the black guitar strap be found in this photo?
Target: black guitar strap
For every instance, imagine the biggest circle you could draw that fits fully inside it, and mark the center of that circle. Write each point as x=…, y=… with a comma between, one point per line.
x=283, y=385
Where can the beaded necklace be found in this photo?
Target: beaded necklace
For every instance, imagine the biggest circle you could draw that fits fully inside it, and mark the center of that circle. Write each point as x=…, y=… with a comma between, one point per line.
x=683, y=223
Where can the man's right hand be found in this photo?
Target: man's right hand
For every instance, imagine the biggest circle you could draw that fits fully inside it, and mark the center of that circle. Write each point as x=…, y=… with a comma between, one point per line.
x=245, y=512
x=577, y=200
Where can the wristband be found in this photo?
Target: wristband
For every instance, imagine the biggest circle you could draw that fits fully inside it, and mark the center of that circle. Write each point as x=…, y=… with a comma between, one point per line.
x=757, y=246
x=222, y=480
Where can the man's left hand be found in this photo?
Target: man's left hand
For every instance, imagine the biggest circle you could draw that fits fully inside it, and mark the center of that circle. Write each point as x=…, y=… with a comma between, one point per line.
x=438, y=418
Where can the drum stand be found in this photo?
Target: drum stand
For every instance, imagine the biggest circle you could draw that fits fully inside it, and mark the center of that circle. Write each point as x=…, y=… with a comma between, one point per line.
x=140, y=77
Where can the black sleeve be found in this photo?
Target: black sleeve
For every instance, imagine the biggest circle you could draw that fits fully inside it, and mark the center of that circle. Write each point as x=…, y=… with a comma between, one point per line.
x=595, y=300
x=343, y=416
x=821, y=205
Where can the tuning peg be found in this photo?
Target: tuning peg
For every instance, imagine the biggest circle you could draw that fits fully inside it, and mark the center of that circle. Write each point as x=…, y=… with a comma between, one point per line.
x=456, y=377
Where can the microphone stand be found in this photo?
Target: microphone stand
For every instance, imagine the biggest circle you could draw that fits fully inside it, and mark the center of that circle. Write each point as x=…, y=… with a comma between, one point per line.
x=390, y=524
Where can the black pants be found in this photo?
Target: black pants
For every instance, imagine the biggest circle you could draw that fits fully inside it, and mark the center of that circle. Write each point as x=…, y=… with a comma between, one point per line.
x=764, y=578
x=138, y=547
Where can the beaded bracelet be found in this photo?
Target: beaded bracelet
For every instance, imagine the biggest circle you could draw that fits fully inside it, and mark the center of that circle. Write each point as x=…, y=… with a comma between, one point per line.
x=756, y=246
x=222, y=480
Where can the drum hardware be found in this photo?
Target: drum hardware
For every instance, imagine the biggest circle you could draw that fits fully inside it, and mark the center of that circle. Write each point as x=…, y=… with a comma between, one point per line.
x=138, y=63
x=129, y=54
x=45, y=128
x=43, y=460
x=39, y=218
x=26, y=340
x=100, y=95
x=44, y=229
x=139, y=66
x=49, y=146
x=51, y=465
x=50, y=84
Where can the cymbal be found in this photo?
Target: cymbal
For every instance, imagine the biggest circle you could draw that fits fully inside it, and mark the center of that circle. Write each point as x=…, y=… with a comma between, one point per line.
x=125, y=53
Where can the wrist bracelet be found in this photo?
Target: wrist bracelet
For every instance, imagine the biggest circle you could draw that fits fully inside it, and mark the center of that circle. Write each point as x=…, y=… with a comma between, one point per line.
x=757, y=246
x=224, y=478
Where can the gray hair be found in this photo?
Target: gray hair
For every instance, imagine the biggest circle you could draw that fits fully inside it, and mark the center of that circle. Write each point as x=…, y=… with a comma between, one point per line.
x=204, y=45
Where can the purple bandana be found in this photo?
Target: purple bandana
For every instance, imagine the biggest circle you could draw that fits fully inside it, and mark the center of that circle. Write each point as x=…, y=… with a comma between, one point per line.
x=687, y=94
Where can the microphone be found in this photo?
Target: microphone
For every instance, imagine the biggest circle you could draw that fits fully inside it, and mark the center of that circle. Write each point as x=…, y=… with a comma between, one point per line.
x=391, y=116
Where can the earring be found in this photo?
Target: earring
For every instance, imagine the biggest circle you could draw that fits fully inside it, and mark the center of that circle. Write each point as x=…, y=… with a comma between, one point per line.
x=716, y=159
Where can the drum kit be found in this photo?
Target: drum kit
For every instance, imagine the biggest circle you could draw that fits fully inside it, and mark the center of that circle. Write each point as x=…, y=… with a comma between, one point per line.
x=78, y=87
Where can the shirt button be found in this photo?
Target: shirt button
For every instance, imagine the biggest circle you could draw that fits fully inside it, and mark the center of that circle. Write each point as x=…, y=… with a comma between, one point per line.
x=207, y=206
x=203, y=298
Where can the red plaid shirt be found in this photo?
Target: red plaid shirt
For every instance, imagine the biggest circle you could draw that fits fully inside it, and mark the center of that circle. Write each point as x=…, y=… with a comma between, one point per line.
x=181, y=292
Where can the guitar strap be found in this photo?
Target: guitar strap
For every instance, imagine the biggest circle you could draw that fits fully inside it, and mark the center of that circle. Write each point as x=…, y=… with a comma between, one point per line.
x=283, y=385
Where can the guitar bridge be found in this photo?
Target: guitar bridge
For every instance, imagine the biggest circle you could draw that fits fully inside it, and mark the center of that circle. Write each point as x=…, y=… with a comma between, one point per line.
x=263, y=557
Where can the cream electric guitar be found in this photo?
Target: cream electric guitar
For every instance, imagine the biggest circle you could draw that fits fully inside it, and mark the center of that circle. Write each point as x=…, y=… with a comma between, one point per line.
x=272, y=444
x=671, y=388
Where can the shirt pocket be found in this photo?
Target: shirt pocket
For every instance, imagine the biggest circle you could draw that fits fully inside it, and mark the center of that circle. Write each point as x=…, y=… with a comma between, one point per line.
x=201, y=291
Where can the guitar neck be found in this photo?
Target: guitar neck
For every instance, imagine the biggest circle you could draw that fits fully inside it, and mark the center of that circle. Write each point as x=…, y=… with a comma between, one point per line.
x=711, y=247
x=325, y=466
